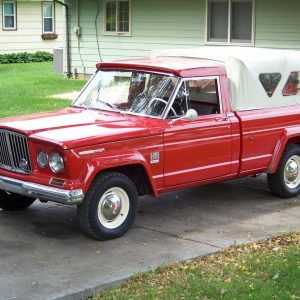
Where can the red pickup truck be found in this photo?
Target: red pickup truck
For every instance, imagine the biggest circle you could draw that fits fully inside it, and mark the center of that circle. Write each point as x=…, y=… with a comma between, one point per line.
x=149, y=126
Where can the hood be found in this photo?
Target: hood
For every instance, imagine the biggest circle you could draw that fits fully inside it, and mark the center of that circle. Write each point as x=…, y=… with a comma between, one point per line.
x=74, y=127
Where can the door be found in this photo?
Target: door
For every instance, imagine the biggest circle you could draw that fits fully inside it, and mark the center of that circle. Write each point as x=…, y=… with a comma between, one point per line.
x=200, y=149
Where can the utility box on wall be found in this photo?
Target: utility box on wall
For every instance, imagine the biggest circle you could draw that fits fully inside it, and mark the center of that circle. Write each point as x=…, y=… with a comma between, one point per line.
x=58, y=60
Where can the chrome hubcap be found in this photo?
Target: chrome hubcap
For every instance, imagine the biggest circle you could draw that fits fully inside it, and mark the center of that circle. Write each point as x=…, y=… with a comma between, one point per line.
x=111, y=206
x=291, y=172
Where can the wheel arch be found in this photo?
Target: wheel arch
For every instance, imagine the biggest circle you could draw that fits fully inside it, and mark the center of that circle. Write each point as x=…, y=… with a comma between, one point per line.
x=289, y=137
x=131, y=164
x=138, y=174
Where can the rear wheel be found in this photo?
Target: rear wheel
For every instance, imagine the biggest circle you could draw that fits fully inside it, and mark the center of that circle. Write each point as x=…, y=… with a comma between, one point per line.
x=109, y=207
x=11, y=201
x=285, y=183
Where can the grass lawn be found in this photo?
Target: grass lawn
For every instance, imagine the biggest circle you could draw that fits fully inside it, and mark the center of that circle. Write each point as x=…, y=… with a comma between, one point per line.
x=24, y=88
x=264, y=270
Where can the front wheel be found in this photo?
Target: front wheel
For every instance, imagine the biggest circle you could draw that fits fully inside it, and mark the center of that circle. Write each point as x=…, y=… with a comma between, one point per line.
x=109, y=207
x=285, y=183
x=12, y=202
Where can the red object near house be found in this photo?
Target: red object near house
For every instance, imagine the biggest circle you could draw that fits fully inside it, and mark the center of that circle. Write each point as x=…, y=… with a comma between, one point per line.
x=150, y=126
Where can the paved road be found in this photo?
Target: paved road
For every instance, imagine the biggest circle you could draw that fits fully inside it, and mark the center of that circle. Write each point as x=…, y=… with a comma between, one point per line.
x=44, y=255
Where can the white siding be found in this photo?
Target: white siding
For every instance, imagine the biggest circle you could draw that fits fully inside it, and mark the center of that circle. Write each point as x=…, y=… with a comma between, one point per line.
x=278, y=24
x=27, y=37
x=158, y=24
x=155, y=24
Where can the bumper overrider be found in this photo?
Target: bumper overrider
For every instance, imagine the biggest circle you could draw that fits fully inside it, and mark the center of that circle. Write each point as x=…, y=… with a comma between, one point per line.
x=42, y=192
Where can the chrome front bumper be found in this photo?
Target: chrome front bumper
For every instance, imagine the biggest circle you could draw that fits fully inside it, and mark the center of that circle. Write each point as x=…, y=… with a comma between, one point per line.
x=43, y=192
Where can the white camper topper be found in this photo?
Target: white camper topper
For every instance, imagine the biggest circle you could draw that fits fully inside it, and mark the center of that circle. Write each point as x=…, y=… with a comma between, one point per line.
x=247, y=70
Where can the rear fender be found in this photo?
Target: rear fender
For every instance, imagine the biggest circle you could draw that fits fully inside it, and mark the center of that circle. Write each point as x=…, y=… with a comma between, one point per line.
x=289, y=136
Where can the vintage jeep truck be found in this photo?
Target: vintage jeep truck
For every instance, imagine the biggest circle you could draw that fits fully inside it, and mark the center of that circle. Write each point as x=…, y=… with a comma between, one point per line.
x=178, y=119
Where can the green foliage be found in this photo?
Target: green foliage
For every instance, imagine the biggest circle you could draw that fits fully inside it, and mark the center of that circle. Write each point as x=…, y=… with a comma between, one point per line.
x=25, y=88
x=263, y=270
x=25, y=57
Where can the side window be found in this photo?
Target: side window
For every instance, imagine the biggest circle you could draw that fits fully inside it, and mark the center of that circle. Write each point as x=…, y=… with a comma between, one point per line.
x=270, y=82
x=292, y=87
x=199, y=94
x=9, y=15
x=203, y=96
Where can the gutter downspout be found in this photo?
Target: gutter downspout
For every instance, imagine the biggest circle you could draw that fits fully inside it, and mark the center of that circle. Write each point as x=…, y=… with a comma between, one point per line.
x=77, y=13
x=68, y=38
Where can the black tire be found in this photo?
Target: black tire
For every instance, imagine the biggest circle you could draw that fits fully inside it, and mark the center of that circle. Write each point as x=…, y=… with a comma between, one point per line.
x=277, y=183
x=11, y=201
x=89, y=218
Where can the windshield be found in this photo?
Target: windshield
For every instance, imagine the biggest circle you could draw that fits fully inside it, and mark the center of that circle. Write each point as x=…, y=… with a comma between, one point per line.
x=128, y=92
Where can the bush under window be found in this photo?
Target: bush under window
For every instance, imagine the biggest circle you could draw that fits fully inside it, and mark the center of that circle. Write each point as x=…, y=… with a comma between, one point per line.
x=25, y=57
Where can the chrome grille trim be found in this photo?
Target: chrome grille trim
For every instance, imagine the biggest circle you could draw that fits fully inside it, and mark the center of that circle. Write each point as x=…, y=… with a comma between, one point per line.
x=13, y=151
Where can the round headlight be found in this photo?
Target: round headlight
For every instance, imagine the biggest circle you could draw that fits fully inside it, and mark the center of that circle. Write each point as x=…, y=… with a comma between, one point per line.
x=56, y=162
x=42, y=159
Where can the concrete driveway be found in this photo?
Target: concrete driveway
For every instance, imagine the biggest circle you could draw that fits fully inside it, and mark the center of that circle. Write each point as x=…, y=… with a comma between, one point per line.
x=44, y=255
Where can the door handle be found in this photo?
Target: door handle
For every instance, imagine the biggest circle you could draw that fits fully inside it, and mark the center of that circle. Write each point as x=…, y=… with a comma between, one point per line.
x=222, y=119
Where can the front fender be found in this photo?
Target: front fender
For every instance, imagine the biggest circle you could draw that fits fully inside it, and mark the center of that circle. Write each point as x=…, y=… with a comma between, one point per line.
x=107, y=161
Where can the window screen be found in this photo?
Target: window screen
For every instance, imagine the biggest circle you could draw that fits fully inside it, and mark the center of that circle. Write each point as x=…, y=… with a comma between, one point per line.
x=218, y=21
x=111, y=16
x=241, y=23
x=236, y=15
x=123, y=18
x=117, y=16
x=48, y=17
x=9, y=15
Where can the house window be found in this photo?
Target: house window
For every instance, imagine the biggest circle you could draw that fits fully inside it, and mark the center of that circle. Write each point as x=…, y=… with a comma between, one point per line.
x=48, y=17
x=117, y=17
x=9, y=15
x=230, y=21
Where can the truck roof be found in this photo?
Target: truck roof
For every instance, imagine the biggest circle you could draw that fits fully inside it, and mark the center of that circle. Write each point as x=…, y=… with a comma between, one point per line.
x=178, y=66
x=259, y=78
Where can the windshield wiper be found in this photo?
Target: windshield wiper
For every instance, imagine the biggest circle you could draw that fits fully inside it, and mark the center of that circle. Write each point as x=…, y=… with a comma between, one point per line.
x=83, y=105
x=80, y=105
x=111, y=106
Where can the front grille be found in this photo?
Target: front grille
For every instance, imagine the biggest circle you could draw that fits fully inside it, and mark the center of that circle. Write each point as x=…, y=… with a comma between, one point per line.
x=14, y=154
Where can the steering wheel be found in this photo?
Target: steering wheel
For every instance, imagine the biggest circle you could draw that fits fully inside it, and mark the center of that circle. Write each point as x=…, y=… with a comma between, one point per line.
x=164, y=102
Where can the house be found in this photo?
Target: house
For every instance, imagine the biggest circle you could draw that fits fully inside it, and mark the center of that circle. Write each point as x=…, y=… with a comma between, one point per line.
x=116, y=29
x=31, y=26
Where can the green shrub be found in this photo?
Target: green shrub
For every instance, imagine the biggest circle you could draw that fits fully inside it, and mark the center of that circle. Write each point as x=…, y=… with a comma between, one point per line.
x=25, y=57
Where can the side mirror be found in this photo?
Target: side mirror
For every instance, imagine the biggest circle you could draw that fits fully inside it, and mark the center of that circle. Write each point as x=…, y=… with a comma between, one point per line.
x=191, y=115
